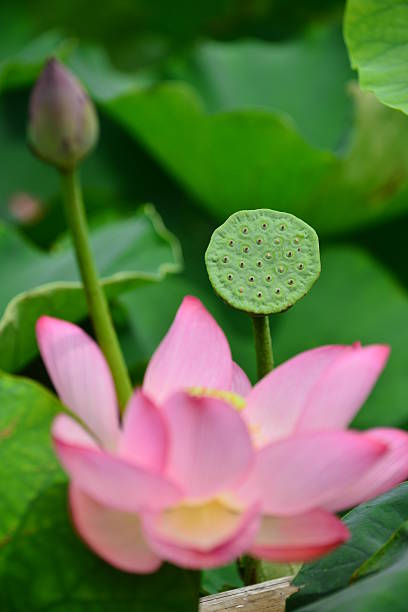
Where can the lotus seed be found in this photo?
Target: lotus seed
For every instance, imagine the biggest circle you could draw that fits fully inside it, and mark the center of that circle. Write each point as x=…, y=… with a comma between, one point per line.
x=255, y=248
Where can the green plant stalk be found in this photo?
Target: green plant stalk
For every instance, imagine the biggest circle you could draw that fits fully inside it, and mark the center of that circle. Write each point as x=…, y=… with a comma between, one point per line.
x=263, y=345
x=252, y=570
x=96, y=299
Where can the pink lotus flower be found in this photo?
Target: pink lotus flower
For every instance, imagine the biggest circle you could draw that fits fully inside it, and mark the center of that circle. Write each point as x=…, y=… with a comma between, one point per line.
x=203, y=468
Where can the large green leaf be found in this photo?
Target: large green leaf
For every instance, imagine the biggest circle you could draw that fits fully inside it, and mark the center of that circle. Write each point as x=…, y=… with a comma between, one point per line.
x=48, y=567
x=243, y=158
x=287, y=77
x=371, y=525
x=128, y=253
x=387, y=590
x=27, y=461
x=256, y=157
x=376, y=33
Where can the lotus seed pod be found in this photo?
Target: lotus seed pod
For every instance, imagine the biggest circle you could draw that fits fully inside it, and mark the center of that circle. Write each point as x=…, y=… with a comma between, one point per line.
x=63, y=125
x=263, y=261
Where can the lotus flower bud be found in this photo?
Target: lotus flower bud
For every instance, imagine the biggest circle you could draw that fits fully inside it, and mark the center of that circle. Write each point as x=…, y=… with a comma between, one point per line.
x=63, y=125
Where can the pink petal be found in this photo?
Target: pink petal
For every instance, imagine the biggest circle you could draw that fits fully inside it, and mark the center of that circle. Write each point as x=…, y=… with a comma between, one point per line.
x=308, y=470
x=208, y=540
x=240, y=382
x=72, y=432
x=389, y=471
x=111, y=480
x=81, y=376
x=276, y=402
x=210, y=447
x=343, y=388
x=298, y=538
x=194, y=353
x=144, y=436
x=115, y=536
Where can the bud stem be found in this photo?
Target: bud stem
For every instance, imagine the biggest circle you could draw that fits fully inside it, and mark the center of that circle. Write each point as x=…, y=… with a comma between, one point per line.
x=263, y=345
x=96, y=299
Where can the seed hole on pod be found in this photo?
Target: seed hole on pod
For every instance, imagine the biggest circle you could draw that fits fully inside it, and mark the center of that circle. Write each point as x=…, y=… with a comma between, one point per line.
x=282, y=227
x=246, y=249
x=229, y=277
x=268, y=255
x=277, y=241
x=268, y=278
x=244, y=230
x=231, y=243
x=281, y=269
x=251, y=279
x=264, y=226
x=277, y=291
x=299, y=249
x=296, y=240
x=241, y=265
x=225, y=259
x=291, y=282
x=300, y=266
x=259, y=294
x=289, y=254
x=259, y=241
x=259, y=264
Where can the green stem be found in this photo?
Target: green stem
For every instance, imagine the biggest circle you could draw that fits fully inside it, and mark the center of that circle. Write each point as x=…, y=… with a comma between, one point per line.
x=263, y=345
x=251, y=569
x=96, y=299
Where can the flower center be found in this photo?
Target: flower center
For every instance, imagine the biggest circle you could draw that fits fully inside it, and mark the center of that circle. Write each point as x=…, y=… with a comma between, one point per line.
x=235, y=400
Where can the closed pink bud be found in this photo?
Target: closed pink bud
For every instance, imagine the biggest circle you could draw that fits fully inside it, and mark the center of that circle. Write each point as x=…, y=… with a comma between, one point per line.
x=63, y=125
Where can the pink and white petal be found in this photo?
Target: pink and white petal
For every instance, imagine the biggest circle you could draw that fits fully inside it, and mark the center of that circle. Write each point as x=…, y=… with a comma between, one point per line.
x=389, y=471
x=276, y=402
x=144, y=438
x=66, y=428
x=194, y=353
x=115, y=536
x=113, y=481
x=240, y=383
x=307, y=471
x=80, y=376
x=209, y=445
x=206, y=540
x=343, y=388
x=298, y=538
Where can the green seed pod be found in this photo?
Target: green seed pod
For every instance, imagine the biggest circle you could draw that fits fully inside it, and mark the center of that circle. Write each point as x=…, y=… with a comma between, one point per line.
x=263, y=261
x=63, y=125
